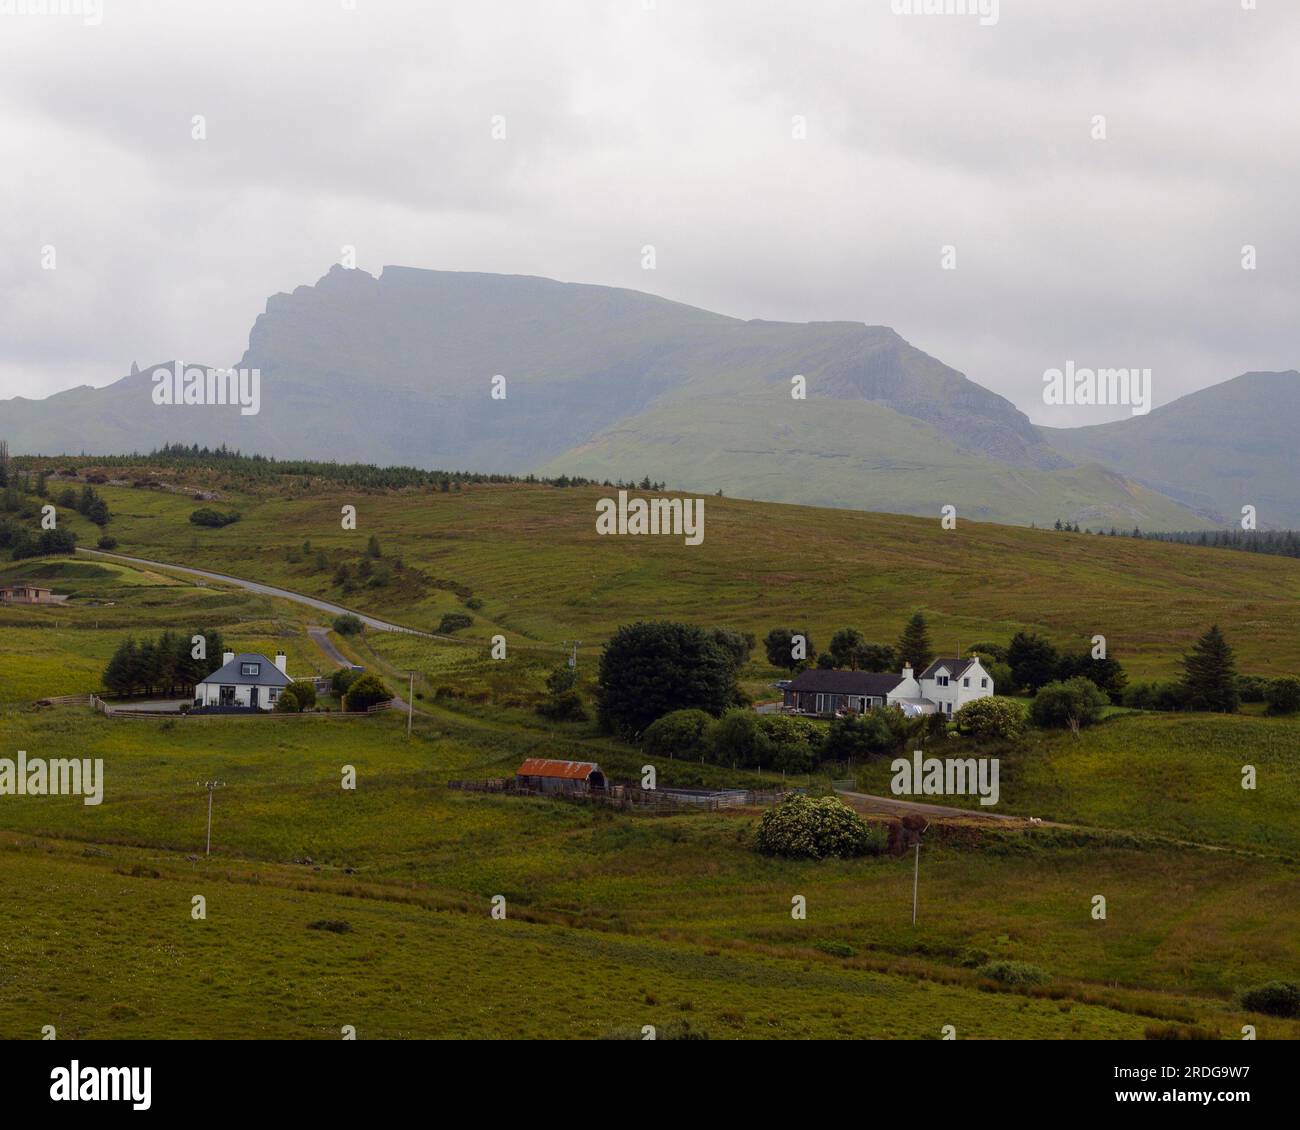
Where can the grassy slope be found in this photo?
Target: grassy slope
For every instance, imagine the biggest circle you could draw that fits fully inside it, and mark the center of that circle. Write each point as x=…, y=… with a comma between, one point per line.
x=650, y=896
x=532, y=555
x=677, y=916
x=861, y=455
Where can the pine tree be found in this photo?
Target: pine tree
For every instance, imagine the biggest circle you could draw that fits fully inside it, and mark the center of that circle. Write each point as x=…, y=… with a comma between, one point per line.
x=914, y=645
x=1210, y=675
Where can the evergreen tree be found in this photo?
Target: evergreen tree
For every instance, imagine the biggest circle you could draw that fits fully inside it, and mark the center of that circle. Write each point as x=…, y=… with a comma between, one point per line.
x=914, y=645
x=1210, y=675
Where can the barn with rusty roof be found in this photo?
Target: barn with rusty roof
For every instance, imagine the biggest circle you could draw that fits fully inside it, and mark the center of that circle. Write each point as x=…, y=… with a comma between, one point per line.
x=550, y=776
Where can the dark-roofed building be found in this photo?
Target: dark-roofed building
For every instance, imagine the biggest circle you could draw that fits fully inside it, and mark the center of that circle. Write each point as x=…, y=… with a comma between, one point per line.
x=559, y=776
x=944, y=688
x=249, y=680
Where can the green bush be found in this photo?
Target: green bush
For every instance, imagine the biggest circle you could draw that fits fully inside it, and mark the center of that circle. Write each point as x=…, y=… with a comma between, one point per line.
x=1076, y=701
x=1277, y=998
x=343, y=678
x=882, y=730
x=795, y=743
x=1013, y=973
x=1252, y=688
x=207, y=516
x=348, y=624
x=683, y=733
x=994, y=718
x=366, y=692
x=304, y=691
x=738, y=738
x=453, y=622
x=289, y=702
x=107, y=542
x=803, y=828
x=834, y=948
x=1283, y=695
x=563, y=707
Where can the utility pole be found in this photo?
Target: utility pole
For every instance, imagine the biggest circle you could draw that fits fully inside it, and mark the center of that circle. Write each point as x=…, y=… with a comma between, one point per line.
x=211, y=786
x=573, y=659
x=916, y=878
x=410, y=706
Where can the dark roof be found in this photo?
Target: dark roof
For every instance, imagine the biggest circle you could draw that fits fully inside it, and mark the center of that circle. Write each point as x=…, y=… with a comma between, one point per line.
x=269, y=675
x=956, y=667
x=845, y=682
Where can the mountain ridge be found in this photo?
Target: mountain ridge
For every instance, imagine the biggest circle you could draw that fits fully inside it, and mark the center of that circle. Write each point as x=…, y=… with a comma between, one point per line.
x=598, y=378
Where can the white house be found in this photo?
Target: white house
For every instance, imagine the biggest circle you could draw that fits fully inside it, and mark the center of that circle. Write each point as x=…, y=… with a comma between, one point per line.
x=943, y=688
x=248, y=680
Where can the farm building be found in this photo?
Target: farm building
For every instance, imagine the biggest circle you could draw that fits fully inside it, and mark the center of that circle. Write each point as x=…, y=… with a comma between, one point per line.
x=559, y=776
x=250, y=681
x=23, y=593
x=944, y=687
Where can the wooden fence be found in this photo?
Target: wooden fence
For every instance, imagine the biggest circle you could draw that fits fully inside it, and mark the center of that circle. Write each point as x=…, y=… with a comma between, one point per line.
x=119, y=712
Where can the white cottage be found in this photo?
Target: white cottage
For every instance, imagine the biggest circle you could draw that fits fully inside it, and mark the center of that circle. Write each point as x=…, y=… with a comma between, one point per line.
x=249, y=680
x=943, y=688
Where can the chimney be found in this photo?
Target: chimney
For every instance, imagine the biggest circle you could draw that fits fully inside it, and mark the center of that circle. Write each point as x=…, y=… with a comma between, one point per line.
x=226, y=657
x=907, y=670
x=281, y=662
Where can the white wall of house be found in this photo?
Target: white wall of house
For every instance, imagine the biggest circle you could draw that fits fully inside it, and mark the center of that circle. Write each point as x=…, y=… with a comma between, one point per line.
x=973, y=683
x=209, y=694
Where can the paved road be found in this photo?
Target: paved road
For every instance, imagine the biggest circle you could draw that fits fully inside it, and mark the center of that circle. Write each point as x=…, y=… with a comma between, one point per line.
x=271, y=590
x=323, y=641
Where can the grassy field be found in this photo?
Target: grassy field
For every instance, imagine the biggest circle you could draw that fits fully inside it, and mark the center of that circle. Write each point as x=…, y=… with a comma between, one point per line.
x=328, y=906
x=531, y=555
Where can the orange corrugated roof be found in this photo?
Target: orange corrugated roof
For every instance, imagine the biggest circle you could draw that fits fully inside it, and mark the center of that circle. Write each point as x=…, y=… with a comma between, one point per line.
x=545, y=767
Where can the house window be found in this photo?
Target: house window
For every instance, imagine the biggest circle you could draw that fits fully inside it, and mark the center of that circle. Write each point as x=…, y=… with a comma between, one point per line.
x=984, y=682
x=942, y=680
x=966, y=681
x=253, y=669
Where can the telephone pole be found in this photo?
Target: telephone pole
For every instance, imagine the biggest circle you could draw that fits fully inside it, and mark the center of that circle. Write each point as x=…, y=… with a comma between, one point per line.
x=211, y=786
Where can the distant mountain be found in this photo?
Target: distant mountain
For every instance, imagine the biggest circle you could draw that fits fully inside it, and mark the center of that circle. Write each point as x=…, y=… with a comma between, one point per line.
x=1215, y=450
x=614, y=383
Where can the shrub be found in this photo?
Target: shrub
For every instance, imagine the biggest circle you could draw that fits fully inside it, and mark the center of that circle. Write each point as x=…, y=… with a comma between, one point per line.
x=834, y=948
x=304, y=691
x=343, y=678
x=107, y=542
x=683, y=733
x=803, y=828
x=1076, y=702
x=1283, y=695
x=778, y=644
x=348, y=624
x=207, y=516
x=1277, y=998
x=993, y=718
x=738, y=738
x=289, y=702
x=366, y=692
x=563, y=707
x=882, y=730
x=1252, y=688
x=1156, y=696
x=1012, y=973
x=795, y=742
x=453, y=622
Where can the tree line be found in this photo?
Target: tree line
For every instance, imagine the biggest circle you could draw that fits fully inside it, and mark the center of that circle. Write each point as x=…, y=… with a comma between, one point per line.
x=165, y=665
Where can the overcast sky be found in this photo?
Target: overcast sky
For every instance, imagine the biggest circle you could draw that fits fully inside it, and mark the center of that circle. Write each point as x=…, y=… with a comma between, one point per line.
x=665, y=122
